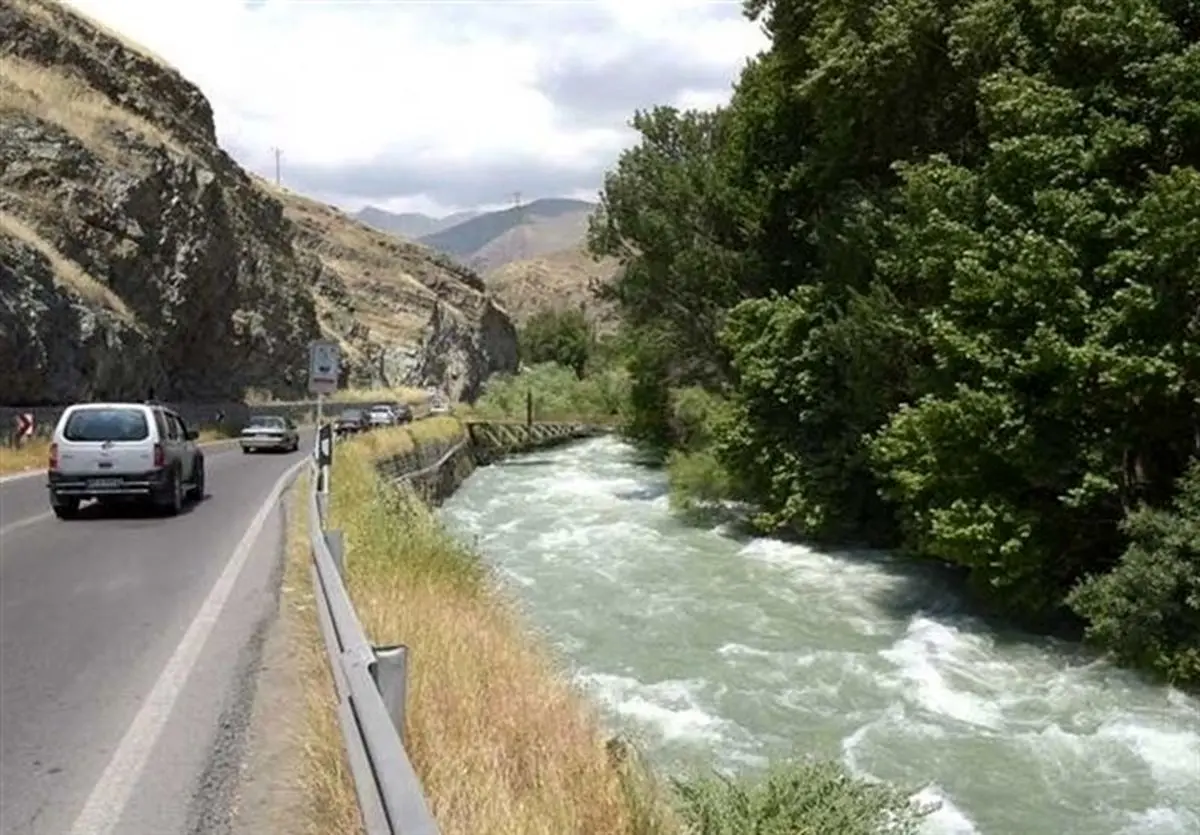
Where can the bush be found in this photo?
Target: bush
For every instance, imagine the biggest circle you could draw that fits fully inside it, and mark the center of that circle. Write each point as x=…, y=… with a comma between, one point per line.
x=1146, y=611
x=800, y=798
x=697, y=478
x=562, y=337
x=558, y=394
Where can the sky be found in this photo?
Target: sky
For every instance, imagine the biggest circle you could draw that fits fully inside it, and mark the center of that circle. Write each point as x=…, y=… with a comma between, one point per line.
x=439, y=105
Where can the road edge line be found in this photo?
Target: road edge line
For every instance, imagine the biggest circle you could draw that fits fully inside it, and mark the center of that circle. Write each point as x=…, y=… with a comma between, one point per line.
x=109, y=797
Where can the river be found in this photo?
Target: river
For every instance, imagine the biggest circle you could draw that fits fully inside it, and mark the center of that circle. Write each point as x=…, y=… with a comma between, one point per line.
x=718, y=650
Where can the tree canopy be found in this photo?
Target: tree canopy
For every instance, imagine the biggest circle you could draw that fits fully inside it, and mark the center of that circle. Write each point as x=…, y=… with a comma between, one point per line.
x=941, y=260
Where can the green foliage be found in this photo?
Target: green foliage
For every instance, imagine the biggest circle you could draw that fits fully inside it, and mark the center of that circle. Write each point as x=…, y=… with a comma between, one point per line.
x=938, y=259
x=697, y=478
x=1147, y=609
x=562, y=337
x=558, y=394
x=798, y=799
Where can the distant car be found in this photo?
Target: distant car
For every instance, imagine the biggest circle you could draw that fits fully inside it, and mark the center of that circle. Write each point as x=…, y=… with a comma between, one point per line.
x=438, y=406
x=269, y=432
x=382, y=414
x=350, y=421
x=403, y=412
x=141, y=451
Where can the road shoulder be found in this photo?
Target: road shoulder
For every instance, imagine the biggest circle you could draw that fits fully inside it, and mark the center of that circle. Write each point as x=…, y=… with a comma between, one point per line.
x=270, y=795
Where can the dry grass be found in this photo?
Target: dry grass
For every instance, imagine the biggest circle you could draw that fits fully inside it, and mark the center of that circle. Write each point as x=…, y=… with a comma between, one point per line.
x=56, y=16
x=325, y=775
x=503, y=744
x=403, y=394
x=67, y=273
x=66, y=101
x=34, y=454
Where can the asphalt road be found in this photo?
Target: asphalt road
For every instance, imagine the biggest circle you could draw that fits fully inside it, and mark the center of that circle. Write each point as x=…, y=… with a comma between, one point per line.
x=129, y=647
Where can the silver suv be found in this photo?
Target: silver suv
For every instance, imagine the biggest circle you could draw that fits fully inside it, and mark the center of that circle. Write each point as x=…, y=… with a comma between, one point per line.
x=120, y=451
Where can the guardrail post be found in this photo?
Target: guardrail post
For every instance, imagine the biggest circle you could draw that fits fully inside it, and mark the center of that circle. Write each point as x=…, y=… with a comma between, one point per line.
x=336, y=542
x=390, y=671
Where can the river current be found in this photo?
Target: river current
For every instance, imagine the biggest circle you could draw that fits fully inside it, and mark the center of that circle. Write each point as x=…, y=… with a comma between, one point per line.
x=720, y=651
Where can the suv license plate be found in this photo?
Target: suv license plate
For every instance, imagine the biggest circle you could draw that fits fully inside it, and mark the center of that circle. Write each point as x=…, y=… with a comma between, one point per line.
x=102, y=483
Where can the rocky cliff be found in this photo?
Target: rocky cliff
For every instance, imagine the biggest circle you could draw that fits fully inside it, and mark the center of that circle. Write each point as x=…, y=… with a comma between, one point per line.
x=136, y=255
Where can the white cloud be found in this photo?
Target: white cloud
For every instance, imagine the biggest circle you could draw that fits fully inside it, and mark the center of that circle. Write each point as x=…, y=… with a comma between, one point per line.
x=483, y=90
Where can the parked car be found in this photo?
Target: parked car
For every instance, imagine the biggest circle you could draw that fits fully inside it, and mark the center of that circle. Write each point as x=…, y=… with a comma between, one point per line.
x=350, y=421
x=269, y=432
x=382, y=414
x=140, y=451
x=403, y=412
x=438, y=406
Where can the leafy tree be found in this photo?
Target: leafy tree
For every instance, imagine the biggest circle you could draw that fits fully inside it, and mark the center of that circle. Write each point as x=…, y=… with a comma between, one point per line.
x=940, y=260
x=559, y=336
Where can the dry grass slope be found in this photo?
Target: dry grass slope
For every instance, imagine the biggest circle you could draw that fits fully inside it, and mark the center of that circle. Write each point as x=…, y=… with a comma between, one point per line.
x=69, y=275
x=502, y=743
x=60, y=99
x=558, y=280
x=394, y=283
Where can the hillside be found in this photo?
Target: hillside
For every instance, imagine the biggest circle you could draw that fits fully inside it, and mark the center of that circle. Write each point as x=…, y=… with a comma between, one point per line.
x=411, y=225
x=135, y=254
x=497, y=238
x=402, y=312
x=555, y=281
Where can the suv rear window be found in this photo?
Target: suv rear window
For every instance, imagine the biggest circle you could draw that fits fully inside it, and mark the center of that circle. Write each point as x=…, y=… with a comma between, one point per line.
x=107, y=425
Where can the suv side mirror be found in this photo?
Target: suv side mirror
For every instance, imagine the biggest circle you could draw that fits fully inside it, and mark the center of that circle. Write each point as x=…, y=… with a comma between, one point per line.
x=192, y=434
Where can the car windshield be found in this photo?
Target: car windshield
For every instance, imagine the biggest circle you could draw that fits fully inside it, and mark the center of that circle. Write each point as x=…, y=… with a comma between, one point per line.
x=266, y=422
x=381, y=408
x=107, y=424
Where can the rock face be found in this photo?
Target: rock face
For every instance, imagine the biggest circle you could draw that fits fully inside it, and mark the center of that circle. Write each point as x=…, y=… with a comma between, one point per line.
x=136, y=255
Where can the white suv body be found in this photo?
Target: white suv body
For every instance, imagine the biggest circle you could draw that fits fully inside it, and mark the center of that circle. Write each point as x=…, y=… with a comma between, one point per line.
x=123, y=450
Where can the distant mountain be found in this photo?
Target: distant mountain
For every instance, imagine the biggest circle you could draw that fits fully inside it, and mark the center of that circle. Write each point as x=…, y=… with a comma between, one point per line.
x=411, y=225
x=490, y=240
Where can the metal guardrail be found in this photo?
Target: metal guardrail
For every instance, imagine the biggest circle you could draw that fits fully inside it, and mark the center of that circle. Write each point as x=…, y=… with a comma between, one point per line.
x=371, y=685
x=371, y=681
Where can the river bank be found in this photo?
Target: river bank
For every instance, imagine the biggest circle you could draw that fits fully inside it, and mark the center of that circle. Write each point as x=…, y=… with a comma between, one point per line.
x=715, y=649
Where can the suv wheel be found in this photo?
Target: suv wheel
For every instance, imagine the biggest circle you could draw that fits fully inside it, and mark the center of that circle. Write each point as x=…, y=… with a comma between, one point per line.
x=174, y=496
x=198, y=482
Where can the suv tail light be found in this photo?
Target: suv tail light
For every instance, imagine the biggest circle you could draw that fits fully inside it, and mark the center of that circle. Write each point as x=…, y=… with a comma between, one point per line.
x=53, y=462
x=160, y=456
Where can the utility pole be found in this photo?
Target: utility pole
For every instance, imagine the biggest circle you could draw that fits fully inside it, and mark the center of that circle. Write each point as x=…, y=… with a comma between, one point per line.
x=278, y=153
x=520, y=223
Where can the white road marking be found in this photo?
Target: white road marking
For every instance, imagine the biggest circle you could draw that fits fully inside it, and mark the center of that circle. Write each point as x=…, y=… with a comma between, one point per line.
x=109, y=797
x=28, y=520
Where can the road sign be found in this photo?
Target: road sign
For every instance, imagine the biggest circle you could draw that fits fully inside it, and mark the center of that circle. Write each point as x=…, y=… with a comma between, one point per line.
x=324, y=366
x=25, y=425
x=325, y=445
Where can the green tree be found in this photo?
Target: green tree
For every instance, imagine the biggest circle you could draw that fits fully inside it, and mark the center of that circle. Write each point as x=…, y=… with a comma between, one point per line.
x=559, y=336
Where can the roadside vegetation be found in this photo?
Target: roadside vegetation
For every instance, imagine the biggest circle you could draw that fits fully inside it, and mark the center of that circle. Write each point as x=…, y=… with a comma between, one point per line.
x=403, y=394
x=324, y=773
x=501, y=740
x=928, y=283
x=572, y=375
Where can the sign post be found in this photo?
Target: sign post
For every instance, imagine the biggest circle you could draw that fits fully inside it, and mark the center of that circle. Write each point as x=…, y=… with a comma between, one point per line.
x=324, y=369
